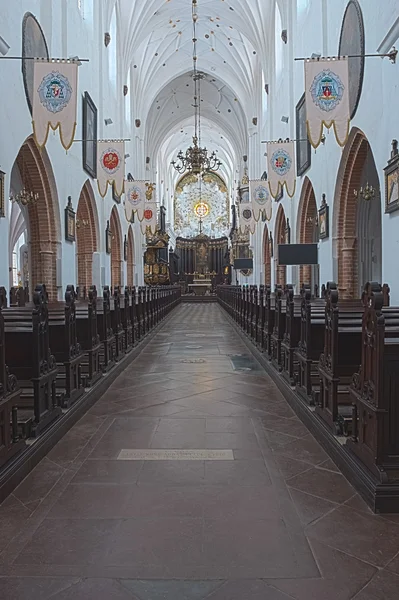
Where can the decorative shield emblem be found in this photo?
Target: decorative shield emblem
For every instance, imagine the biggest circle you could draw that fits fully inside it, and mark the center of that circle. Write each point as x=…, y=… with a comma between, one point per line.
x=55, y=92
x=137, y=122
x=111, y=161
x=281, y=162
x=247, y=214
x=148, y=214
x=134, y=195
x=327, y=90
x=261, y=195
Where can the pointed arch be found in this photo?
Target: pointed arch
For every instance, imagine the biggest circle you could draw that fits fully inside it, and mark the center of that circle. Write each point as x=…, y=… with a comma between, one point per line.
x=116, y=248
x=42, y=217
x=357, y=224
x=307, y=229
x=267, y=259
x=130, y=257
x=86, y=235
x=280, y=238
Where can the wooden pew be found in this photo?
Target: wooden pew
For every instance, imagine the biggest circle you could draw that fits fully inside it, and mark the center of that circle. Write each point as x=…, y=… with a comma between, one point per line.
x=116, y=324
x=291, y=335
x=10, y=441
x=310, y=346
x=269, y=309
x=30, y=359
x=277, y=335
x=374, y=390
x=88, y=337
x=104, y=326
x=339, y=360
x=126, y=318
x=66, y=348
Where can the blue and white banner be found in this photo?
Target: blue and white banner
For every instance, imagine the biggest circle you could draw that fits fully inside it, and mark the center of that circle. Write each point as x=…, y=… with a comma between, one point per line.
x=135, y=197
x=260, y=198
x=327, y=98
x=55, y=85
x=281, y=167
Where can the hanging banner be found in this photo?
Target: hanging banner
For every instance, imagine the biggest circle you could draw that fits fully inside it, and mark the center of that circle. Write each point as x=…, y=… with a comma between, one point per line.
x=261, y=200
x=247, y=222
x=110, y=166
x=149, y=222
x=135, y=196
x=54, y=103
x=327, y=98
x=281, y=168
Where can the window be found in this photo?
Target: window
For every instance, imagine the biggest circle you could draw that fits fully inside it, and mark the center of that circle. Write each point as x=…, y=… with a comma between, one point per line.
x=278, y=43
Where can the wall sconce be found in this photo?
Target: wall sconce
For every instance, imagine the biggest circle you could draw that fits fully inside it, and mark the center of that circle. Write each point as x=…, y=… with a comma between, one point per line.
x=127, y=156
x=108, y=121
x=107, y=39
x=284, y=36
x=285, y=119
x=125, y=90
x=367, y=193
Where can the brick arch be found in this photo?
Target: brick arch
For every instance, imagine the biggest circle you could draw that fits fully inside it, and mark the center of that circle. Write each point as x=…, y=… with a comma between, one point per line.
x=280, y=238
x=116, y=248
x=307, y=225
x=130, y=256
x=86, y=235
x=43, y=219
x=346, y=213
x=267, y=259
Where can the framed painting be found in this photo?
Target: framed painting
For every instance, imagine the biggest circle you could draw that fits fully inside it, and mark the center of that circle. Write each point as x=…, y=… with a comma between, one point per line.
x=89, y=136
x=352, y=42
x=391, y=172
x=324, y=225
x=34, y=45
x=108, y=239
x=2, y=197
x=70, y=222
x=303, y=146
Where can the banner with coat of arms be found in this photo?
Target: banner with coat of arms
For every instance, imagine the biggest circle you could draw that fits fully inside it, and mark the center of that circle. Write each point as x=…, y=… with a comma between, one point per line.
x=261, y=200
x=281, y=167
x=149, y=222
x=135, y=197
x=54, y=103
x=110, y=166
x=327, y=98
x=246, y=219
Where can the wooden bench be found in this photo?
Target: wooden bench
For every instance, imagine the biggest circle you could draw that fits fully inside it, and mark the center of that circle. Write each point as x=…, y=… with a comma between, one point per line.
x=66, y=348
x=88, y=337
x=277, y=335
x=374, y=390
x=104, y=327
x=10, y=440
x=30, y=359
x=116, y=324
x=310, y=347
x=291, y=335
x=126, y=318
x=268, y=317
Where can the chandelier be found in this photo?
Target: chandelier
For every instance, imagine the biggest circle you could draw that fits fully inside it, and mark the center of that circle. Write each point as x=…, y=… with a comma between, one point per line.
x=24, y=197
x=196, y=159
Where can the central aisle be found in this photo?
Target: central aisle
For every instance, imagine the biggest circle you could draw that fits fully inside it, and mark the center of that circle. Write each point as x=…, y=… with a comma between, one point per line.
x=268, y=518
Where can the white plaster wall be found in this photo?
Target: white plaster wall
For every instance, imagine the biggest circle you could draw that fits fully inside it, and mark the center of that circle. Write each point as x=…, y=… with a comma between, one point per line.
x=67, y=34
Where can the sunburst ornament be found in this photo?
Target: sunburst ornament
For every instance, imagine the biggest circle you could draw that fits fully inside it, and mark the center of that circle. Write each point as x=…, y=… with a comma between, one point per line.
x=202, y=210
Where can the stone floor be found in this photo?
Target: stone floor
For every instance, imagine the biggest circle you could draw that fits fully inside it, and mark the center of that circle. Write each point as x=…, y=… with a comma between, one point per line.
x=278, y=522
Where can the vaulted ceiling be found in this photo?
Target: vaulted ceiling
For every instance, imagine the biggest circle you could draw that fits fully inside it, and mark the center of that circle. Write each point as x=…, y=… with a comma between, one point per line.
x=156, y=47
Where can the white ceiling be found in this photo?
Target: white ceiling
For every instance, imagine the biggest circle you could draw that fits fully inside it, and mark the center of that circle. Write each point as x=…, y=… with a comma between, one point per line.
x=155, y=44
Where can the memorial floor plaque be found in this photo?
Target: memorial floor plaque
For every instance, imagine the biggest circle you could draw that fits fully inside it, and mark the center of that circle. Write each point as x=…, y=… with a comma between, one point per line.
x=153, y=454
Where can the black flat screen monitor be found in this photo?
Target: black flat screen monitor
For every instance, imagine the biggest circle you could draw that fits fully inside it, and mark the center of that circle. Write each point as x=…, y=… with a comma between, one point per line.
x=298, y=254
x=243, y=263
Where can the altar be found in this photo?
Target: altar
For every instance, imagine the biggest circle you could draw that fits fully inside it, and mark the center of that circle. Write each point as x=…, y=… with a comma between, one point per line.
x=201, y=285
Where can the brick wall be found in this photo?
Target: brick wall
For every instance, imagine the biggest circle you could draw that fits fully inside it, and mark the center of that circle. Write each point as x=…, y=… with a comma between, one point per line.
x=130, y=257
x=281, y=224
x=86, y=237
x=267, y=260
x=116, y=248
x=307, y=223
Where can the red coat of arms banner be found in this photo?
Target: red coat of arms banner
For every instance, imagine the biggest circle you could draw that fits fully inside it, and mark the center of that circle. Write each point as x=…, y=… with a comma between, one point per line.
x=110, y=166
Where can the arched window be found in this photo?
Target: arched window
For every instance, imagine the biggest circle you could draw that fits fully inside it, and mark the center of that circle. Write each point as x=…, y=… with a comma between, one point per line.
x=278, y=43
x=112, y=49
